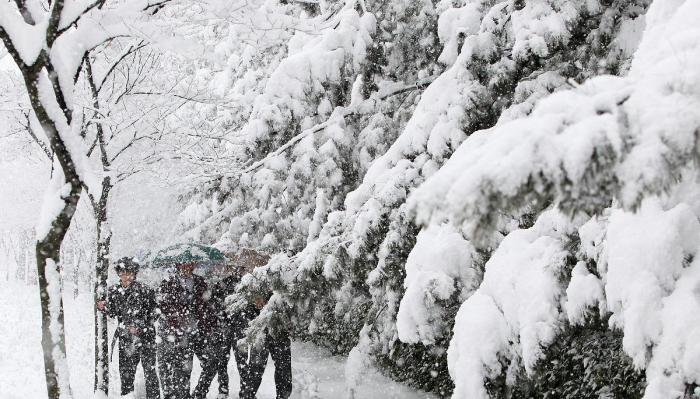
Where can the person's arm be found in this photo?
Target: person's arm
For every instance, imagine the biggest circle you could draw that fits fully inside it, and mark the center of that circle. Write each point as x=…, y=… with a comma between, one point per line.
x=109, y=305
x=205, y=308
x=165, y=299
x=152, y=306
x=148, y=305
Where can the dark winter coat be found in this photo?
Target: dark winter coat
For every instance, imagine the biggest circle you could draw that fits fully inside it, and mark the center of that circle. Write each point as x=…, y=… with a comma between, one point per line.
x=177, y=307
x=238, y=321
x=221, y=290
x=243, y=319
x=133, y=306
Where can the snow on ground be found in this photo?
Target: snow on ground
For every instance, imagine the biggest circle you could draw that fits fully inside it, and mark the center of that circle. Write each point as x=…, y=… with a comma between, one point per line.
x=21, y=375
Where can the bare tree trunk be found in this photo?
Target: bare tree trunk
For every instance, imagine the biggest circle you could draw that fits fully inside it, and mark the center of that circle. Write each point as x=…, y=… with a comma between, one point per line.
x=104, y=237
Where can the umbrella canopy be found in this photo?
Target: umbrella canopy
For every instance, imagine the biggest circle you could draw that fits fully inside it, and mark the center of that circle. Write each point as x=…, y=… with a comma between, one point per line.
x=187, y=253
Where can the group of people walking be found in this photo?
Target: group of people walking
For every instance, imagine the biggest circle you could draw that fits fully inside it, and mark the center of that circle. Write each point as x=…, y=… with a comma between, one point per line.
x=164, y=329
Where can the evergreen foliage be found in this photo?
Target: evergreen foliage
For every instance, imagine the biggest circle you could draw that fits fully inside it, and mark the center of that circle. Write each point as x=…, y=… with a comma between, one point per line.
x=379, y=138
x=586, y=362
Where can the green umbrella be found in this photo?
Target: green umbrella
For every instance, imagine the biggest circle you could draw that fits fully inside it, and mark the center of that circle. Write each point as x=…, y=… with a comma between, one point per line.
x=187, y=253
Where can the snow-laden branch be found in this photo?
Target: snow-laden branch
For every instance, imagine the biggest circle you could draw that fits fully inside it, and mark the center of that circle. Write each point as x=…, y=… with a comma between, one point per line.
x=622, y=150
x=364, y=107
x=361, y=108
x=22, y=40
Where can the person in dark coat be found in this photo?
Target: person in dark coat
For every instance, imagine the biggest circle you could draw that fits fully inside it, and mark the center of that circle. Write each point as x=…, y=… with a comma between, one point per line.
x=185, y=324
x=222, y=337
x=134, y=306
x=251, y=361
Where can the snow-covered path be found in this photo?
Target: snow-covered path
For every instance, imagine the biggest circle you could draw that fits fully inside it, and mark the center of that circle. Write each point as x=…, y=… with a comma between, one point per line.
x=21, y=375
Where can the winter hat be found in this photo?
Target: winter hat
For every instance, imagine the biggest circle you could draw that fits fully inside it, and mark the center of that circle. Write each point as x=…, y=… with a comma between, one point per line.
x=127, y=264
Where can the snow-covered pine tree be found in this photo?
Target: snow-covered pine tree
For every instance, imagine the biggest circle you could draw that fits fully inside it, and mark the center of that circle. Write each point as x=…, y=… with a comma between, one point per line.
x=613, y=164
x=512, y=54
x=293, y=144
x=235, y=72
x=300, y=133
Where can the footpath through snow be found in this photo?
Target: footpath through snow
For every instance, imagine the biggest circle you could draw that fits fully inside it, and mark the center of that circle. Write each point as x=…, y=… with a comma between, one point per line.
x=317, y=374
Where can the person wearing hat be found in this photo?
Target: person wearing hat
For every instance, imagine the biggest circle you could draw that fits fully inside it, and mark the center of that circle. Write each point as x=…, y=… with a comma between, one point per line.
x=229, y=328
x=134, y=306
x=251, y=361
x=185, y=323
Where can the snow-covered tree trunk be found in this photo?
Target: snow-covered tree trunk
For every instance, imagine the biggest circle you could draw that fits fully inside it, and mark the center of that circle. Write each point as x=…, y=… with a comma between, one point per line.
x=48, y=267
x=26, y=267
x=104, y=237
x=61, y=204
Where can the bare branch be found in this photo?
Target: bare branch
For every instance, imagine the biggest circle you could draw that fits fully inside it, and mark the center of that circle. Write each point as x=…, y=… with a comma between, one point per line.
x=130, y=51
x=12, y=50
x=52, y=32
x=129, y=145
x=155, y=7
x=96, y=103
x=26, y=15
x=34, y=137
x=74, y=22
x=153, y=93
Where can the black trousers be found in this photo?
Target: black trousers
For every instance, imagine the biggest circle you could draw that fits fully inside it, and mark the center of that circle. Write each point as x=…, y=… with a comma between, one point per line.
x=131, y=351
x=175, y=356
x=251, y=366
x=217, y=349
